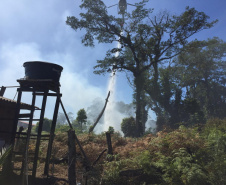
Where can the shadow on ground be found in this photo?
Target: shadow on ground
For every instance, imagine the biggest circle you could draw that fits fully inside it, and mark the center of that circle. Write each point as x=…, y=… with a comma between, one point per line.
x=13, y=179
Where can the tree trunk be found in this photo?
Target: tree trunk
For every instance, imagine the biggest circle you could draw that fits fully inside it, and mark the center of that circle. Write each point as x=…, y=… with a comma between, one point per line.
x=208, y=106
x=139, y=87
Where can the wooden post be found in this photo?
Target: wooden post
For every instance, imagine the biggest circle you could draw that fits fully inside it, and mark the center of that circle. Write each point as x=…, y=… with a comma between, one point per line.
x=52, y=130
x=39, y=134
x=76, y=139
x=24, y=170
x=17, y=111
x=2, y=91
x=71, y=157
x=108, y=136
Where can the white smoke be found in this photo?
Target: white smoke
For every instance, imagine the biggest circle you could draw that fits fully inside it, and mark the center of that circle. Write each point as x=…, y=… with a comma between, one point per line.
x=112, y=117
x=77, y=91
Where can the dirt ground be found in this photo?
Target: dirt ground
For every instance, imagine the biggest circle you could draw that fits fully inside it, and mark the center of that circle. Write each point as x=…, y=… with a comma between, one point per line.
x=14, y=179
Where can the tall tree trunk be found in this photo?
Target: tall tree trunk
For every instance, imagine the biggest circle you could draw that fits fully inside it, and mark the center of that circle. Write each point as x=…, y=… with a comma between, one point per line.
x=208, y=104
x=139, y=88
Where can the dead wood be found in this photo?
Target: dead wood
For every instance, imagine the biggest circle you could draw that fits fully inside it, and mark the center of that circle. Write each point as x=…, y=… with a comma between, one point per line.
x=100, y=115
x=110, y=150
x=98, y=158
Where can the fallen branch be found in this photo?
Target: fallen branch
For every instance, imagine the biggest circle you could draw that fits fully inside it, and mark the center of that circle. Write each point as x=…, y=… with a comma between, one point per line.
x=98, y=158
x=100, y=115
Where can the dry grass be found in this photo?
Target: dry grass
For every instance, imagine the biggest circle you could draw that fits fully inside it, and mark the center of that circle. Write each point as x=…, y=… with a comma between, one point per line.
x=93, y=145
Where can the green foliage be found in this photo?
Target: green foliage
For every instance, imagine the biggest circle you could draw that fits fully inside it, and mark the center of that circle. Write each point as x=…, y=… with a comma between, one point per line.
x=169, y=105
x=215, y=134
x=65, y=128
x=112, y=170
x=192, y=97
x=79, y=128
x=81, y=118
x=45, y=127
x=186, y=156
x=148, y=40
x=205, y=71
x=111, y=130
x=128, y=127
x=78, y=124
x=62, y=128
x=4, y=154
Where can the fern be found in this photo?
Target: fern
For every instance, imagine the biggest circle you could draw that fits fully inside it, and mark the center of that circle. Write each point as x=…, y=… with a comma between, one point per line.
x=186, y=156
x=4, y=154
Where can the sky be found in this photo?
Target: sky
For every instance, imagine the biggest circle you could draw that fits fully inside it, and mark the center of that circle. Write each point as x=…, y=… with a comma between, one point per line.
x=32, y=30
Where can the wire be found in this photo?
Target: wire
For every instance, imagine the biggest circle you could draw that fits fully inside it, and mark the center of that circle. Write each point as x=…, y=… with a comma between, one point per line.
x=15, y=96
x=10, y=86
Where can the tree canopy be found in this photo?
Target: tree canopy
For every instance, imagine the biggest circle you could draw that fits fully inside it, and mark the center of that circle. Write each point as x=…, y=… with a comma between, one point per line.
x=192, y=88
x=81, y=117
x=46, y=125
x=146, y=40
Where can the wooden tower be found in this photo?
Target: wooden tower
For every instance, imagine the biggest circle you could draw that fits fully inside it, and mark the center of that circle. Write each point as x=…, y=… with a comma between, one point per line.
x=45, y=89
x=41, y=80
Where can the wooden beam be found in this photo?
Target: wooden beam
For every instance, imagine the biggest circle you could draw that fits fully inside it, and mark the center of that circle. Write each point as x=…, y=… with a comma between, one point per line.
x=71, y=157
x=39, y=135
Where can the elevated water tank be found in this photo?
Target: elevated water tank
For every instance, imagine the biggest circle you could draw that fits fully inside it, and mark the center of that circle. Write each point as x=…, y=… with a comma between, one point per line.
x=42, y=70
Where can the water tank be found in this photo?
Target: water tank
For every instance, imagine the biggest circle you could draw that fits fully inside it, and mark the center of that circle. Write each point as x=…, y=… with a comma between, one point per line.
x=42, y=70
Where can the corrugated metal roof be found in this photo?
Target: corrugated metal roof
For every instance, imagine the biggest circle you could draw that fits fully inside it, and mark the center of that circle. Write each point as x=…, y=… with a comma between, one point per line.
x=8, y=101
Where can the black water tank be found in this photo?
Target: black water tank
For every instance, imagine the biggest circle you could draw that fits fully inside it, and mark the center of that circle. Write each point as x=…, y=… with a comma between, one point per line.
x=42, y=70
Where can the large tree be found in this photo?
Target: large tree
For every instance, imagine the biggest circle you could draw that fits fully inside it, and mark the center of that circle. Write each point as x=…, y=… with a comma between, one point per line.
x=146, y=41
x=193, y=87
x=167, y=100
x=205, y=77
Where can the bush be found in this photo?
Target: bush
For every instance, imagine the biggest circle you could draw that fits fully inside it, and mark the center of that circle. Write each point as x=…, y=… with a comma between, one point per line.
x=128, y=127
x=186, y=156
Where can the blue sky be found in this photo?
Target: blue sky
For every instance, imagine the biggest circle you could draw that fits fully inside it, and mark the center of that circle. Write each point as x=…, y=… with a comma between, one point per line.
x=32, y=30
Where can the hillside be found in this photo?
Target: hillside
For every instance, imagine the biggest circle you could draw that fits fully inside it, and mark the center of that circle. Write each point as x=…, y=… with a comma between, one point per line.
x=186, y=156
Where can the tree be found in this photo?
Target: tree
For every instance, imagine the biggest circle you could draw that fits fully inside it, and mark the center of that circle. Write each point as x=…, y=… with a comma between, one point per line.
x=167, y=102
x=61, y=118
x=165, y=96
x=203, y=86
x=46, y=125
x=205, y=77
x=146, y=41
x=128, y=127
x=81, y=118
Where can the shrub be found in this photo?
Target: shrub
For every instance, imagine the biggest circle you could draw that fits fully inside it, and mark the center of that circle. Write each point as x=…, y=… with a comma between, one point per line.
x=128, y=127
x=184, y=156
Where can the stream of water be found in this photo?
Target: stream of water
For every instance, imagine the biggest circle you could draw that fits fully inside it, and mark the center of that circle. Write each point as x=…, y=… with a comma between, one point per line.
x=111, y=116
